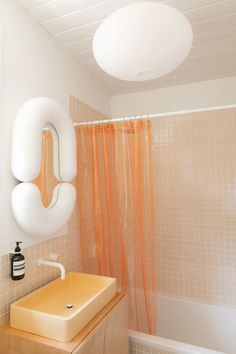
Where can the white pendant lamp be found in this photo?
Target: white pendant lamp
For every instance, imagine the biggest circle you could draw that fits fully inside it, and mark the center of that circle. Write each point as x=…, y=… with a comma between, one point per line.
x=142, y=41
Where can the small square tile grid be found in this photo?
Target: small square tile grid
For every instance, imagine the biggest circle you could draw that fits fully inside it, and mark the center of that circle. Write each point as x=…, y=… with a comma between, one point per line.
x=67, y=248
x=81, y=112
x=138, y=348
x=195, y=174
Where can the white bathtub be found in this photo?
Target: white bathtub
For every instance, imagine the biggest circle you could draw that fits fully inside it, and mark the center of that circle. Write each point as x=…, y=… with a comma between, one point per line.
x=166, y=346
x=190, y=327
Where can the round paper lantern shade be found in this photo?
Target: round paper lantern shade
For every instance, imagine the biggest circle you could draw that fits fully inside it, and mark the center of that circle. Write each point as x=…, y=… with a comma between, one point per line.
x=142, y=41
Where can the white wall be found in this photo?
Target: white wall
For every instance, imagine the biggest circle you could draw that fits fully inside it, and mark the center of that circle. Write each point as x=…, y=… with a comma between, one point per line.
x=32, y=65
x=176, y=98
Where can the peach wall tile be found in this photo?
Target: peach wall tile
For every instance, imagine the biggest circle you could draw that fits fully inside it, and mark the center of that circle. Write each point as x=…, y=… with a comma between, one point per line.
x=81, y=112
x=195, y=173
x=67, y=248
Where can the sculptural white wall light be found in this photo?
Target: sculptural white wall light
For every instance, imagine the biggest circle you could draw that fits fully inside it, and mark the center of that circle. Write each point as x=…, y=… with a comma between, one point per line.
x=35, y=115
x=142, y=41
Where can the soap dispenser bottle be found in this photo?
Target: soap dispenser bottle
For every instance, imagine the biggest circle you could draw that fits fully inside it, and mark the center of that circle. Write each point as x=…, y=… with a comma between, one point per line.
x=17, y=264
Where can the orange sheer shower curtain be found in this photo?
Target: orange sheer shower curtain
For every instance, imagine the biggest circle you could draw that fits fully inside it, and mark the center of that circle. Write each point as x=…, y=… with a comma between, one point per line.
x=115, y=200
x=115, y=206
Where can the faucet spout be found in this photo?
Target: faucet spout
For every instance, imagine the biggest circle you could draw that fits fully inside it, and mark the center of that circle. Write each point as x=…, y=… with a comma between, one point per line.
x=41, y=262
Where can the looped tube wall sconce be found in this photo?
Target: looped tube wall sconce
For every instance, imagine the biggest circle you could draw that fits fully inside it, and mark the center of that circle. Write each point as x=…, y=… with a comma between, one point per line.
x=35, y=115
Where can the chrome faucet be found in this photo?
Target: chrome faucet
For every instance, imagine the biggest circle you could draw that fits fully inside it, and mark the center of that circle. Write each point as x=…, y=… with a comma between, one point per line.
x=41, y=262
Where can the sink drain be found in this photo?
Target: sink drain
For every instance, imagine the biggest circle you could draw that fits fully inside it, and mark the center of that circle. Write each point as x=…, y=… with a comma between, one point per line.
x=69, y=306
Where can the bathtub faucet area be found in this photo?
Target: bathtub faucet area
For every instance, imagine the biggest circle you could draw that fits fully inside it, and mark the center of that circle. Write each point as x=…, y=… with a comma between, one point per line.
x=41, y=262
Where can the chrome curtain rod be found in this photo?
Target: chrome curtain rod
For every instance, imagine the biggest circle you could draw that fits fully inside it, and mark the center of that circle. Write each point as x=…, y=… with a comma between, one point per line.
x=152, y=116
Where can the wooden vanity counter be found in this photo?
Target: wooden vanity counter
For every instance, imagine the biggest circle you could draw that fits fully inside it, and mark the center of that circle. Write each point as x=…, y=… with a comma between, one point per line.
x=107, y=333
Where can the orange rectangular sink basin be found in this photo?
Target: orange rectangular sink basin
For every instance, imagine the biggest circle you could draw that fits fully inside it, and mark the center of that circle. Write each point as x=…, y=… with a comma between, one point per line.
x=62, y=308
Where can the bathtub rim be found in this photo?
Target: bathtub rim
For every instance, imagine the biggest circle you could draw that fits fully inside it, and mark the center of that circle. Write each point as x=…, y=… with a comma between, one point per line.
x=169, y=344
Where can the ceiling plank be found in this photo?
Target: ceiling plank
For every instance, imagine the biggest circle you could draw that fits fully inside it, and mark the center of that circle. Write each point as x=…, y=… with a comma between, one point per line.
x=27, y=4
x=211, y=11
x=77, y=33
x=214, y=36
x=54, y=9
x=215, y=24
x=84, y=16
x=213, y=47
x=186, y=5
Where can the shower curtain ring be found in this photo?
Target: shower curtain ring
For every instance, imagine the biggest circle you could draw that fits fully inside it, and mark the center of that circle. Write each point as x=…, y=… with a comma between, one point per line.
x=100, y=124
x=130, y=122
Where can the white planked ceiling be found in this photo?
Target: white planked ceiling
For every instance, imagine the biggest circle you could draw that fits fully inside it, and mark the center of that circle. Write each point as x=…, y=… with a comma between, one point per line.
x=72, y=23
